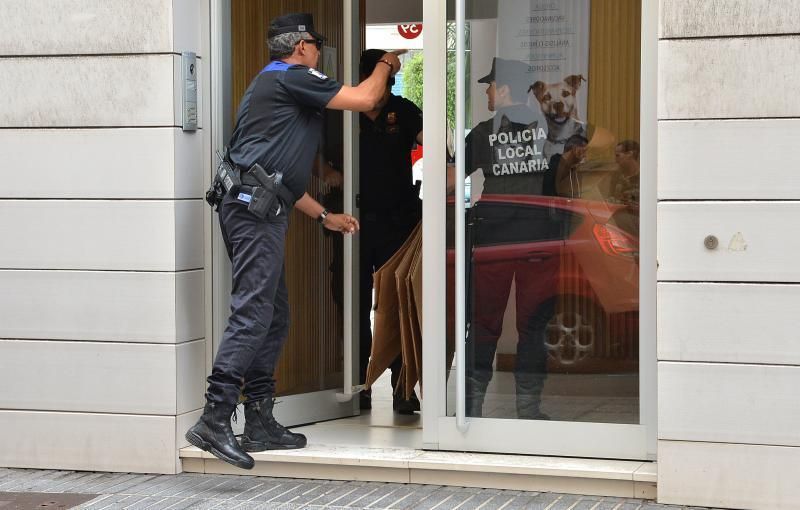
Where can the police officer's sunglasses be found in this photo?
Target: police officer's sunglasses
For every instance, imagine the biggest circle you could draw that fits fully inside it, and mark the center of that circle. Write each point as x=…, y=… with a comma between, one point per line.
x=317, y=42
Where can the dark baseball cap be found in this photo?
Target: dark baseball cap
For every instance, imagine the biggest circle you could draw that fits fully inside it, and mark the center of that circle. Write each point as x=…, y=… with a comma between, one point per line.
x=369, y=59
x=294, y=22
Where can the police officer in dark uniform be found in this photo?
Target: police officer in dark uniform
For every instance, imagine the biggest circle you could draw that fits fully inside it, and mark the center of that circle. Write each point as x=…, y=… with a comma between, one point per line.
x=277, y=133
x=508, y=150
x=388, y=200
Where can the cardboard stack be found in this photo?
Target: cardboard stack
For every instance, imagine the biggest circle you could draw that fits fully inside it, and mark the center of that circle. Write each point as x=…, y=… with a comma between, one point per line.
x=398, y=316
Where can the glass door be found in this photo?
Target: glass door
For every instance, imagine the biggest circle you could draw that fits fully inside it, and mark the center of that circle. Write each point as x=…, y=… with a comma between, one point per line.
x=547, y=269
x=314, y=376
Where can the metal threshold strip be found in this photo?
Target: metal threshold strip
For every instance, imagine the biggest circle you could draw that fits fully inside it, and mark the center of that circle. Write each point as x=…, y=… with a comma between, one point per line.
x=619, y=478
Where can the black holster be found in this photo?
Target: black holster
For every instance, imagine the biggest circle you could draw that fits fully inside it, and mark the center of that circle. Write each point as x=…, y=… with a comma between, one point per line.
x=264, y=190
x=226, y=180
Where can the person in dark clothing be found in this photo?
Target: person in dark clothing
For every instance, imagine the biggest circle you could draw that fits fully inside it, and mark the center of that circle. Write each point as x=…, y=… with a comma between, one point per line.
x=508, y=150
x=278, y=127
x=389, y=203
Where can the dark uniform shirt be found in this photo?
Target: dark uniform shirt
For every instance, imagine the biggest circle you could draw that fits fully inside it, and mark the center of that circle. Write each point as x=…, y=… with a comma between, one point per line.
x=508, y=149
x=385, y=148
x=279, y=123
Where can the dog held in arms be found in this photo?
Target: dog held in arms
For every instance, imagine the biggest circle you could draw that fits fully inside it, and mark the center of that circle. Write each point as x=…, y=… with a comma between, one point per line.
x=559, y=103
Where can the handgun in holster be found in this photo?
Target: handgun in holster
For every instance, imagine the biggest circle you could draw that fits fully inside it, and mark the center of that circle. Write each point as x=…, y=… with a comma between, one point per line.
x=266, y=189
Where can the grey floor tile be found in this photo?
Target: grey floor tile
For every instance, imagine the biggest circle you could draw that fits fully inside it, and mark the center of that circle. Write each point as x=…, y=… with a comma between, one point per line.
x=301, y=494
x=184, y=487
x=268, y=489
x=85, y=484
x=118, y=501
x=479, y=501
x=108, y=484
x=456, y=500
x=430, y=501
x=565, y=502
x=381, y=493
x=351, y=499
x=542, y=501
x=586, y=504
x=519, y=502
x=630, y=505
x=333, y=497
x=24, y=479
x=126, y=487
x=45, y=483
x=607, y=505
x=222, y=488
x=97, y=502
x=411, y=494
x=500, y=501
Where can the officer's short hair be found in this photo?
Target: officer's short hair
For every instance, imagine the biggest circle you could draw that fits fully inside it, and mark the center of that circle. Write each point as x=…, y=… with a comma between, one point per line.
x=282, y=45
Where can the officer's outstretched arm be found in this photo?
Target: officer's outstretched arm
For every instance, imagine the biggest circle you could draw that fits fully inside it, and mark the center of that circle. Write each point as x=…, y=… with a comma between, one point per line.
x=366, y=96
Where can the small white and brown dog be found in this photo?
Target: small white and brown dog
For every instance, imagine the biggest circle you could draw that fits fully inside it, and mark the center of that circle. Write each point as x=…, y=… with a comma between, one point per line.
x=559, y=104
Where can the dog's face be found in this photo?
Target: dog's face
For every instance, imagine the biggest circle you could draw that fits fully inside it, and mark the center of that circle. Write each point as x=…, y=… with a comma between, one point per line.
x=558, y=100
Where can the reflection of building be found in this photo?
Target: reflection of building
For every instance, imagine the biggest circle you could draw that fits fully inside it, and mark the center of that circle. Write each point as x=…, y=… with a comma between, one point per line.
x=112, y=276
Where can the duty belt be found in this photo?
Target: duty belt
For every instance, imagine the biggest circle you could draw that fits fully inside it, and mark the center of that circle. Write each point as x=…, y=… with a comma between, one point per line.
x=261, y=187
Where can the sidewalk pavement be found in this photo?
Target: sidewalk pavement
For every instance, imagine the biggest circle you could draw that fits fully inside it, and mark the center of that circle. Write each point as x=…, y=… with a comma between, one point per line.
x=24, y=489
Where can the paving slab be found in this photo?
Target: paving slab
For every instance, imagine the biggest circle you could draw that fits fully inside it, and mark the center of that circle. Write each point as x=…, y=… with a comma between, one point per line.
x=112, y=491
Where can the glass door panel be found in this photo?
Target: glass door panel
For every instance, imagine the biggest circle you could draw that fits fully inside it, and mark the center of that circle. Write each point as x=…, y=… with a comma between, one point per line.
x=550, y=212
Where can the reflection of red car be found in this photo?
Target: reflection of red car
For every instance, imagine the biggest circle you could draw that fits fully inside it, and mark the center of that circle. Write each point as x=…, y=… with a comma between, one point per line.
x=577, y=256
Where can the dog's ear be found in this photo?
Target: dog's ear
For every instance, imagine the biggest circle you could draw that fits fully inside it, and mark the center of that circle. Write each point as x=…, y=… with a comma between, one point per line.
x=574, y=81
x=538, y=90
x=505, y=124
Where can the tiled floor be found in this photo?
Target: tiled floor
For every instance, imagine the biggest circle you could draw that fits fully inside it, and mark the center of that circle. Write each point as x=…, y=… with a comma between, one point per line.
x=379, y=428
x=196, y=491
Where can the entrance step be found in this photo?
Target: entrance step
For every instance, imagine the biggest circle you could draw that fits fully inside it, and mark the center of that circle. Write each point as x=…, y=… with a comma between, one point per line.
x=633, y=479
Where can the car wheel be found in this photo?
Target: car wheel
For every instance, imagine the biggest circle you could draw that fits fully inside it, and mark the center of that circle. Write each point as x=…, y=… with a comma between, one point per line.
x=572, y=331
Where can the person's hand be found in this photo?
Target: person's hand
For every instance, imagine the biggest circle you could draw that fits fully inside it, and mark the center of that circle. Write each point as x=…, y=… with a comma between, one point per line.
x=341, y=223
x=399, y=52
x=392, y=59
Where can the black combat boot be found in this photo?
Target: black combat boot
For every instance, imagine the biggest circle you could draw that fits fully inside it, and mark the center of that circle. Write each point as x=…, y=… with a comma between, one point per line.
x=475, y=394
x=407, y=407
x=263, y=432
x=213, y=433
x=529, y=396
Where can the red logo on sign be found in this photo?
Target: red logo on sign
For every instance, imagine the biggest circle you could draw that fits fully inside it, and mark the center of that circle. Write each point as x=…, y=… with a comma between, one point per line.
x=410, y=30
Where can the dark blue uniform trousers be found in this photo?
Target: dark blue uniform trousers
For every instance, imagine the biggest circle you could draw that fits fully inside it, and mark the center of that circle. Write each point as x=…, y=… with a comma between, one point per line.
x=259, y=322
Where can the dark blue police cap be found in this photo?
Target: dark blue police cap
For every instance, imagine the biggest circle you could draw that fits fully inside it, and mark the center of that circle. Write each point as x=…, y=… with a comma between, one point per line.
x=508, y=72
x=292, y=23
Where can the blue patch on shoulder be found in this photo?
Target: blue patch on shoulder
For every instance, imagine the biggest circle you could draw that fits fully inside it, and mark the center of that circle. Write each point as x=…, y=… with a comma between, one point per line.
x=276, y=65
x=244, y=197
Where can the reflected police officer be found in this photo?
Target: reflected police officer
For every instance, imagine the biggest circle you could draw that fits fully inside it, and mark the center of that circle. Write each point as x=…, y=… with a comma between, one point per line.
x=508, y=149
x=277, y=133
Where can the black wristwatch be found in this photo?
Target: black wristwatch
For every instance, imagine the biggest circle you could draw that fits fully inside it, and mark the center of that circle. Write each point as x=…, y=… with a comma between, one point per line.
x=324, y=214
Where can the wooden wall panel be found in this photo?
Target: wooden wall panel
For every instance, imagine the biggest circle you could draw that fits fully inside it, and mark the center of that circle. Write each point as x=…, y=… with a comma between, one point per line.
x=312, y=357
x=615, y=67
